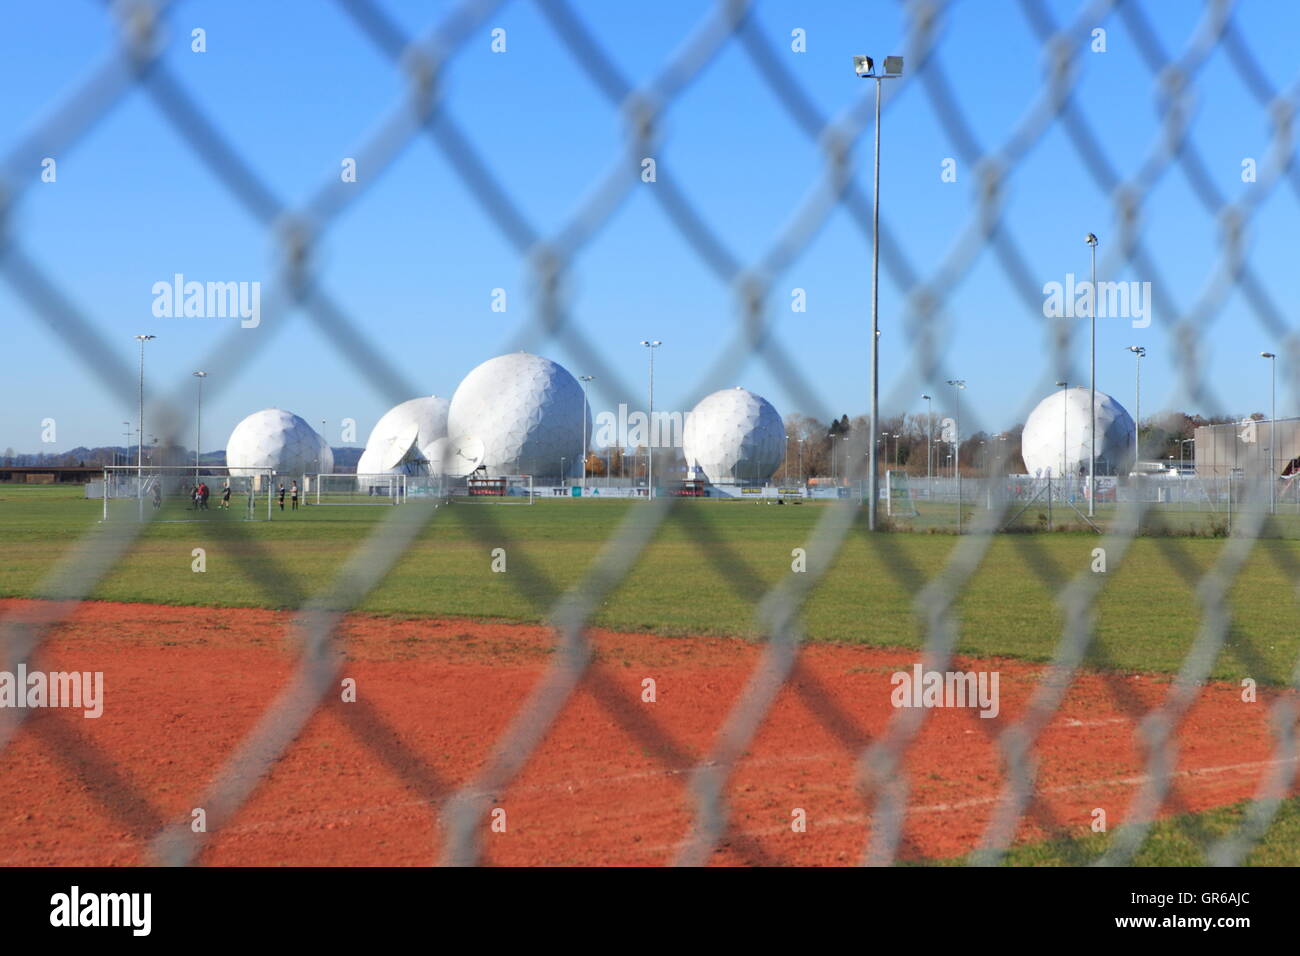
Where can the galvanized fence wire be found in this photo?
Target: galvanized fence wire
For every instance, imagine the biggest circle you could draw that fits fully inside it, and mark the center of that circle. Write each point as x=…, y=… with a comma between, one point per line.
x=134, y=63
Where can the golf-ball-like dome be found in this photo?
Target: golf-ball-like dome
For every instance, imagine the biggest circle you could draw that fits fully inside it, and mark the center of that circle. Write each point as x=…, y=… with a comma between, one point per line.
x=280, y=440
x=528, y=412
x=1058, y=434
x=734, y=436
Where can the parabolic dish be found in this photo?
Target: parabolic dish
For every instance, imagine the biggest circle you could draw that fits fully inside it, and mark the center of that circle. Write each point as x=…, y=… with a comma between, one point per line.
x=463, y=457
x=435, y=453
x=393, y=449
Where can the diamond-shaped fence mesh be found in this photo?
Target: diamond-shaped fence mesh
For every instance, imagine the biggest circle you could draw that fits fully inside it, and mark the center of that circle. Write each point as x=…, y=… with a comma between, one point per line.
x=134, y=63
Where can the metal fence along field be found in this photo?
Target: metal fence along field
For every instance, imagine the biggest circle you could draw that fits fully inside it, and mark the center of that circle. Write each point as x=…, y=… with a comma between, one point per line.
x=130, y=65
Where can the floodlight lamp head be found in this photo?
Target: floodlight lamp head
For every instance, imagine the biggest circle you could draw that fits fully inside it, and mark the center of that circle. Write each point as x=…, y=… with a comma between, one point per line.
x=864, y=66
x=1062, y=384
x=925, y=398
x=957, y=383
x=1267, y=355
x=893, y=66
x=1090, y=239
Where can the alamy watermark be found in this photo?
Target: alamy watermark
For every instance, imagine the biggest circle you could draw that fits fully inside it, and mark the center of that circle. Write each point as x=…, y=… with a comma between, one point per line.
x=921, y=688
x=82, y=690
x=638, y=429
x=1114, y=300
x=208, y=300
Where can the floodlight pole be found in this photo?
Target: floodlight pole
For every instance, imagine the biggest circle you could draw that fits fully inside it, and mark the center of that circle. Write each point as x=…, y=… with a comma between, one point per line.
x=1065, y=426
x=139, y=459
x=1272, y=436
x=584, y=379
x=929, y=445
x=1139, y=353
x=198, y=423
x=649, y=425
x=1091, y=240
x=960, y=385
x=865, y=68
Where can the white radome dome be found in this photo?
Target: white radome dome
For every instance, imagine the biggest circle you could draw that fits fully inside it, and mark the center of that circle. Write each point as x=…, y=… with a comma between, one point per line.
x=526, y=410
x=279, y=440
x=734, y=436
x=1058, y=434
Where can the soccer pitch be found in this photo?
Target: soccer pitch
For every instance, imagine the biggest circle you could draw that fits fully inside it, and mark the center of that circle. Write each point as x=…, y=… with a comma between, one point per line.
x=703, y=573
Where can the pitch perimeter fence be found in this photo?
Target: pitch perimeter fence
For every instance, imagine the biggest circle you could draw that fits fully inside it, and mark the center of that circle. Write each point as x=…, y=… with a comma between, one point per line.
x=132, y=63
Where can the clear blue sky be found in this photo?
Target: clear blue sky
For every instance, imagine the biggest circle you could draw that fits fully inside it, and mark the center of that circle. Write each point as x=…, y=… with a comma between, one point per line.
x=295, y=87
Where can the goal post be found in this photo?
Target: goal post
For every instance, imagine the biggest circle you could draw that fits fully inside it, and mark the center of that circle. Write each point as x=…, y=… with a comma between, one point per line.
x=185, y=493
x=366, y=489
x=898, y=495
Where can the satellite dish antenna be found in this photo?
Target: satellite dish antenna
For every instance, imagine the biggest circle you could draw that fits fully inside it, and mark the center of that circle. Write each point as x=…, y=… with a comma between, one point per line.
x=463, y=456
x=435, y=455
x=393, y=450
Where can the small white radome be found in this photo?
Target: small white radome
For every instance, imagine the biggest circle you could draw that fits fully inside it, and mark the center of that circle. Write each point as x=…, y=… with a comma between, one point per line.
x=1057, y=435
x=280, y=440
x=734, y=436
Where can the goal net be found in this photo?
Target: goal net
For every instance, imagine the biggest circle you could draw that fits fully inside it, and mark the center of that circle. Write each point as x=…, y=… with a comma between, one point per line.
x=898, y=495
x=179, y=493
x=383, y=489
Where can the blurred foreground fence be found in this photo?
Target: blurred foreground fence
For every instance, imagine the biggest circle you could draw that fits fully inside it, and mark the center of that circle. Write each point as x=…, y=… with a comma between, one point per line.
x=133, y=62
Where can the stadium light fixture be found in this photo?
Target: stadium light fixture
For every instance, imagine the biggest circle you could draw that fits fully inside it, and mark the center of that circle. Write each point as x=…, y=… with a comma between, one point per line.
x=139, y=460
x=1272, y=431
x=649, y=450
x=198, y=422
x=865, y=68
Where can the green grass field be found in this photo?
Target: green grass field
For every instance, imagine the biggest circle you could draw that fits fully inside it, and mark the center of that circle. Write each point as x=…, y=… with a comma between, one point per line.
x=704, y=573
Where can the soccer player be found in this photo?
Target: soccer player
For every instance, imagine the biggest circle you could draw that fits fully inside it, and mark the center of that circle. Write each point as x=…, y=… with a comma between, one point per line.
x=225, y=497
x=293, y=494
x=282, y=496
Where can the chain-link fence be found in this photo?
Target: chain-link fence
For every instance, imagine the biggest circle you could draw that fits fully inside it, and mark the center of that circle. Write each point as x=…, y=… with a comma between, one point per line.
x=134, y=64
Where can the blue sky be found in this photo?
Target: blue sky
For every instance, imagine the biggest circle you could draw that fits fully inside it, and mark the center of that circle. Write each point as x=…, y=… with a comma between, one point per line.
x=294, y=88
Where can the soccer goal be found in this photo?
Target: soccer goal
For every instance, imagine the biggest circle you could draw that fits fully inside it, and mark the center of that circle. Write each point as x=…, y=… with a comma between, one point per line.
x=898, y=495
x=383, y=489
x=181, y=493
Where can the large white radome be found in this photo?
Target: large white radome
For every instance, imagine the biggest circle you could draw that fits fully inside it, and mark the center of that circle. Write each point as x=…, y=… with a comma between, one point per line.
x=1057, y=435
x=734, y=436
x=526, y=410
x=280, y=440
